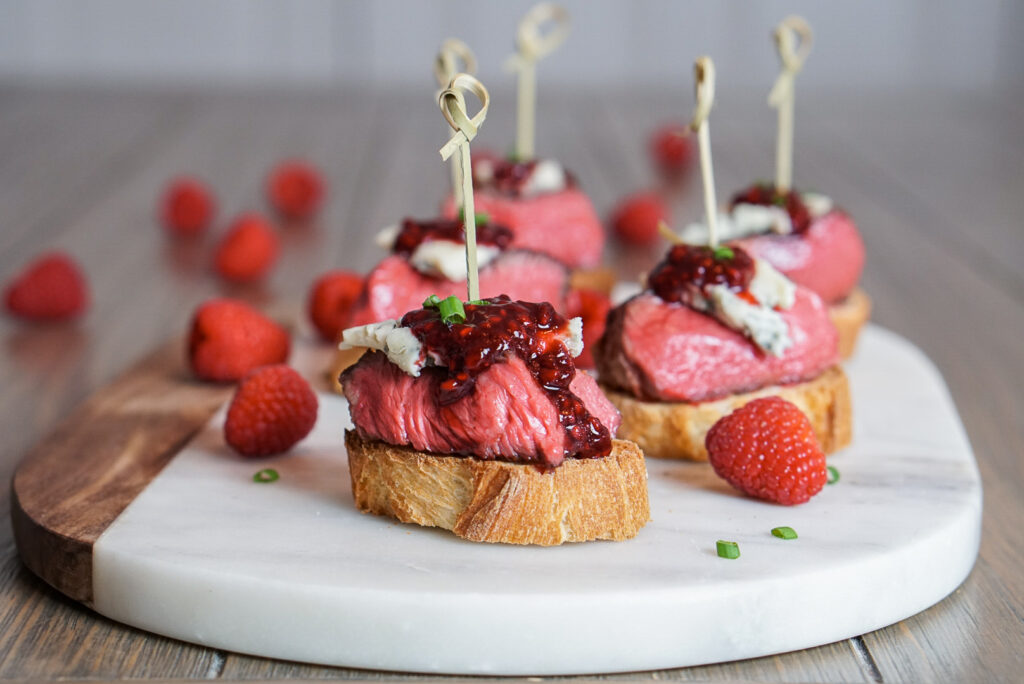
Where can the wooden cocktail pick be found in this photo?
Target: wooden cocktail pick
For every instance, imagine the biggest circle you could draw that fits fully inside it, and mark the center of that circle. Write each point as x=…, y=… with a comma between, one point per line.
x=793, y=38
x=704, y=74
x=533, y=43
x=453, y=106
x=453, y=57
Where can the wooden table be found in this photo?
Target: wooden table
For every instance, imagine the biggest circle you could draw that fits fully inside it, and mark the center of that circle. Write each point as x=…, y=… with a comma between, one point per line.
x=936, y=182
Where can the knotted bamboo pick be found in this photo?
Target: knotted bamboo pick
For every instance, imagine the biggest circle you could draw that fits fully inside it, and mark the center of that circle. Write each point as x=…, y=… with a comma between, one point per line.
x=704, y=74
x=793, y=38
x=533, y=44
x=453, y=57
x=453, y=106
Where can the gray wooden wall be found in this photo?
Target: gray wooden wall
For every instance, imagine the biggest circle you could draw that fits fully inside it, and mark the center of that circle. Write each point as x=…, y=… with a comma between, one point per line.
x=887, y=44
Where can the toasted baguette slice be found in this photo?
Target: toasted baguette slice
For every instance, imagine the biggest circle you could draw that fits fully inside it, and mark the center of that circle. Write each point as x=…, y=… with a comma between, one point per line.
x=494, y=501
x=677, y=429
x=849, y=317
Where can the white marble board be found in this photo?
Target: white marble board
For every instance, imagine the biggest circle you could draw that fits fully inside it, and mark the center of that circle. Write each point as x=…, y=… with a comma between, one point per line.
x=291, y=570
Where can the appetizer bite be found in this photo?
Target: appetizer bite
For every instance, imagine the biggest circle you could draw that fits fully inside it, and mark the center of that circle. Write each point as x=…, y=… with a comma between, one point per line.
x=714, y=329
x=429, y=257
x=473, y=418
x=802, y=234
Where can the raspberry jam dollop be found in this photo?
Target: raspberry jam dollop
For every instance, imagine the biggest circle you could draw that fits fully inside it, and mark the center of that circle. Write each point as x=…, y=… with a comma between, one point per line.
x=491, y=332
x=414, y=233
x=689, y=266
x=508, y=176
x=769, y=196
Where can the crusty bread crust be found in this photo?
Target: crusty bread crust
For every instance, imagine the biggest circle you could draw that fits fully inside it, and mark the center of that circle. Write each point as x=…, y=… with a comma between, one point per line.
x=677, y=429
x=849, y=317
x=600, y=278
x=494, y=501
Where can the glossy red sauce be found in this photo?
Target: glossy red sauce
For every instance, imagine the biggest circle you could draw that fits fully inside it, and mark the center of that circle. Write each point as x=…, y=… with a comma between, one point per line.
x=508, y=177
x=414, y=233
x=767, y=195
x=490, y=333
x=688, y=266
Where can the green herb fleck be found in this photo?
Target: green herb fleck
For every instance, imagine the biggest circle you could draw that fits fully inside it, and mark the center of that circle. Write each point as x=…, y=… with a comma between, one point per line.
x=478, y=302
x=431, y=302
x=784, y=532
x=265, y=475
x=723, y=252
x=452, y=310
x=779, y=201
x=512, y=155
x=727, y=549
x=481, y=217
x=833, y=475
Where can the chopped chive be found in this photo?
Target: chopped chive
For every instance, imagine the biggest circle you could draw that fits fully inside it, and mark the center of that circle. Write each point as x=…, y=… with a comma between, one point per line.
x=779, y=201
x=833, y=475
x=452, y=310
x=727, y=549
x=265, y=475
x=512, y=155
x=784, y=532
x=431, y=302
x=478, y=302
x=723, y=252
x=481, y=217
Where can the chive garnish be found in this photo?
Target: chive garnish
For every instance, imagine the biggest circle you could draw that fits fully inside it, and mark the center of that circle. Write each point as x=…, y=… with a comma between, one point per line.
x=265, y=475
x=723, y=252
x=779, y=201
x=431, y=302
x=727, y=549
x=477, y=302
x=784, y=532
x=452, y=310
x=481, y=217
x=511, y=155
x=833, y=475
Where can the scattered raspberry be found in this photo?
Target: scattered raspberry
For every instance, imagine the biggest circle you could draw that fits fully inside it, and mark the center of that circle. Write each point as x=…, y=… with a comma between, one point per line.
x=295, y=189
x=636, y=218
x=767, y=449
x=273, y=409
x=593, y=307
x=331, y=300
x=672, y=150
x=230, y=338
x=248, y=250
x=50, y=288
x=186, y=207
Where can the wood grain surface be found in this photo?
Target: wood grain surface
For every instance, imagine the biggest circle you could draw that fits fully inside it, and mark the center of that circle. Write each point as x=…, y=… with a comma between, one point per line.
x=936, y=182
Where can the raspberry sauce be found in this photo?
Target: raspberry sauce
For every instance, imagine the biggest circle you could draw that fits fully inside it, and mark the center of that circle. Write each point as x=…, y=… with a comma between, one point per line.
x=508, y=177
x=414, y=233
x=769, y=196
x=689, y=266
x=490, y=333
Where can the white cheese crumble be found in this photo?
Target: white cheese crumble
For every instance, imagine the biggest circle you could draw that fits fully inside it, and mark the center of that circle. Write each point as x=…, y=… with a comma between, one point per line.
x=745, y=220
x=547, y=176
x=817, y=204
x=401, y=346
x=574, y=343
x=447, y=259
x=761, y=323
x=386, y=236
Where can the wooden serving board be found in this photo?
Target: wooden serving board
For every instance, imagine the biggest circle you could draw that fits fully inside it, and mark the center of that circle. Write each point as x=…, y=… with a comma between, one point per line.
x=136, y=508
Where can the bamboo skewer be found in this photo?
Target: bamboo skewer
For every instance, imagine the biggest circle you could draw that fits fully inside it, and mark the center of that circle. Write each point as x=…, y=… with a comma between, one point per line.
x=533, y=43
x=453, y=57
x=704, y=74
x=793, y=39
x=453, y=106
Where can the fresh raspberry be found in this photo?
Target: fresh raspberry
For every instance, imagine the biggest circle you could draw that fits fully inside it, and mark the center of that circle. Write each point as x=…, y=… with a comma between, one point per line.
x=229, y=338
x=273, y=409
x=592, y=306
x=186, y=207
x=672, y=150
x=295, y=189
x=767, y=449
x=248, y=250
x=50, y=288
x=636, y=218
x=330, y=302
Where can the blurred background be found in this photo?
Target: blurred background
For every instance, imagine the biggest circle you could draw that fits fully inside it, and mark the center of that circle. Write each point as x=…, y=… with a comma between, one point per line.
x=876, y=44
